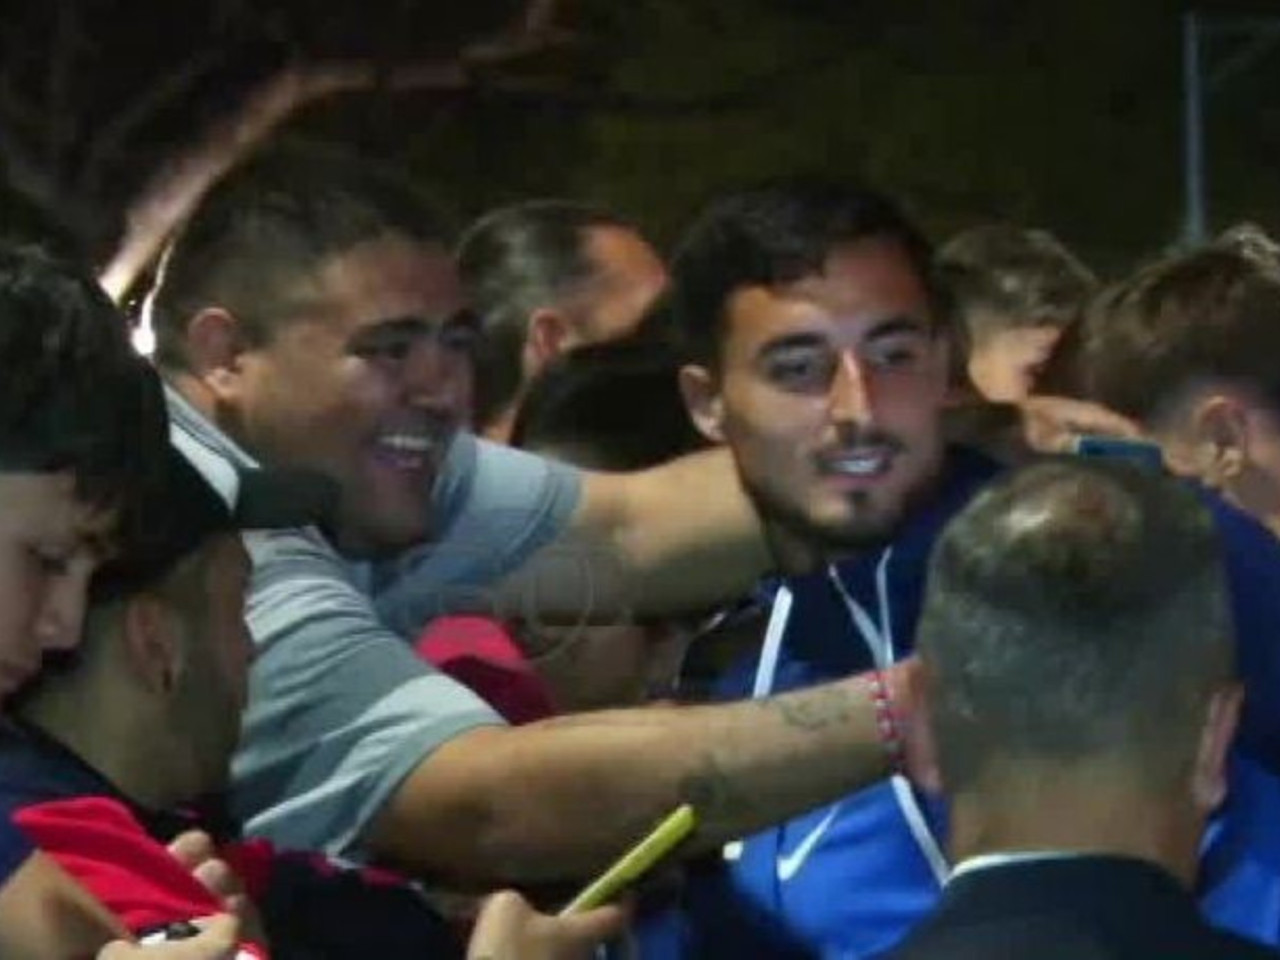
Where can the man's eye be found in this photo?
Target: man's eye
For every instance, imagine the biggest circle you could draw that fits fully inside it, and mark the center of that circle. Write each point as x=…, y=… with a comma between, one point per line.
x=460, y=337
x=801, y=370
x=51, y=563
x=385, y=350
x=898, y=355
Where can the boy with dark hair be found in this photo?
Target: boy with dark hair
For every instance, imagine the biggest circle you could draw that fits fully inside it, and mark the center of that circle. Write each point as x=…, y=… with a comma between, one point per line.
x=125, y=746
x=143, y=718
x=81, y=423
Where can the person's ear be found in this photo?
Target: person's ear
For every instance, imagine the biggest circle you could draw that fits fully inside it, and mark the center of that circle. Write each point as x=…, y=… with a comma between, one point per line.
x=153, y=643
x=1209, y=777
x=550, y=334
x=702, y=398
x=1219, y=440
x=215, y=345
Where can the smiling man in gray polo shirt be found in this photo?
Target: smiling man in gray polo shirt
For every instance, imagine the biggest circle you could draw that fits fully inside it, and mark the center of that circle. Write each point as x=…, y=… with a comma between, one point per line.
x=308, y=317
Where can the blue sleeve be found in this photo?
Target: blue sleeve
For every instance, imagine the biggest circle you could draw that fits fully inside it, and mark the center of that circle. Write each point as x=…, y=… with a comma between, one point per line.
x=1252, y=556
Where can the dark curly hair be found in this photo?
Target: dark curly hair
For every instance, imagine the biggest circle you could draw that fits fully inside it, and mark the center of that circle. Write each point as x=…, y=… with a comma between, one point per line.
x=776, y=233
x=74, y=395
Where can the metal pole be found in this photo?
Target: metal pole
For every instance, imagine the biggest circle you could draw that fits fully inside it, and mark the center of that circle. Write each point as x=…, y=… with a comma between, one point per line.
x=1193, y=130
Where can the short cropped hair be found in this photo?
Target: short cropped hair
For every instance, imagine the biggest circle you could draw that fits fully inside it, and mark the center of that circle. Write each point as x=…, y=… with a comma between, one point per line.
x=1075, y=610
x=1210, y=314
x=609, y=406
x=513, y=261
x=73, y=396
x=1004, y=277
x=270, y=226
x=778, y=233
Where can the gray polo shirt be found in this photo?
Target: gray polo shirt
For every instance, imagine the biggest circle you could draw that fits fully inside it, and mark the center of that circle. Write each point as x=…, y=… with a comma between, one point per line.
x=341, y=710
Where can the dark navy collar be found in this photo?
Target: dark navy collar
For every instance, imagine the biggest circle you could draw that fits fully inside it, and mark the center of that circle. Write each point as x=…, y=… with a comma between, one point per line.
x=1106, y=890
x=35, y=766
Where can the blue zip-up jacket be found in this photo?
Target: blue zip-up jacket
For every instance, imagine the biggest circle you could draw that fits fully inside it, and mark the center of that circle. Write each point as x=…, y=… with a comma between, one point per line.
x=848, y=880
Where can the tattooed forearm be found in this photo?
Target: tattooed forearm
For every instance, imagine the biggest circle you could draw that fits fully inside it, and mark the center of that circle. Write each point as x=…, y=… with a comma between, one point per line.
x=717, y=795
x=819, y=708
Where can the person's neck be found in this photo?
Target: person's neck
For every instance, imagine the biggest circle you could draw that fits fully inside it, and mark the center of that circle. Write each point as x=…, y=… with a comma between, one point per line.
x=107, y=734
x=1255, y=494
x=1038, y=810
x=198, y=395
x=794, y=555
x=501, y=425
x=193, y=390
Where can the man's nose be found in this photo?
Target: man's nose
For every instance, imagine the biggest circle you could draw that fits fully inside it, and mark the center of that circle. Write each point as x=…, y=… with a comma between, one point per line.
x=436, y=376
x=61, y=618
x=850, y=394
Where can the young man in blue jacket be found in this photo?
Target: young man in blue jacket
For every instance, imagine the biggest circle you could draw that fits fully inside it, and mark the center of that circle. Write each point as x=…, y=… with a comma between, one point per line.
x=816, y=334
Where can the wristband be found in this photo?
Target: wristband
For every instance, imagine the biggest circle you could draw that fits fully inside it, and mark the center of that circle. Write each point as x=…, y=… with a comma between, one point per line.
x=886, y=720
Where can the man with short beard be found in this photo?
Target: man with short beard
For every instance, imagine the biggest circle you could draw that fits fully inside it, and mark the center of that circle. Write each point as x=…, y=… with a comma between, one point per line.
x=308, y=316
x=812, y=321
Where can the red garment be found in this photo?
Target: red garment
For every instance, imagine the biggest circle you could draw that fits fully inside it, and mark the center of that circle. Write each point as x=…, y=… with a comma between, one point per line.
x=100, y=843
x=481, y=654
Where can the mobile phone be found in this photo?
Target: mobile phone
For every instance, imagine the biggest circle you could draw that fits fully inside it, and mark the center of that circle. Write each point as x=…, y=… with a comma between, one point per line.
x=1121, y=448
x=636, y=862
x=166, y=933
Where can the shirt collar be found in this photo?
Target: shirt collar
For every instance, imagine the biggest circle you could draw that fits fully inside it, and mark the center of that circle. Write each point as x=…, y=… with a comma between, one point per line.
x=218, y=458
x=989, y=861
x=185, y=417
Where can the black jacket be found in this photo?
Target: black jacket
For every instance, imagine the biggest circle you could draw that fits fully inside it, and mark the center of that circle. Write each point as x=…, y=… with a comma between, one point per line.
x=1082, y=908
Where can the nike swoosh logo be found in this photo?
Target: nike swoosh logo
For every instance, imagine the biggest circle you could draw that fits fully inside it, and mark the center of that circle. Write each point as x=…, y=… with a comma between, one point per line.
x=790, y=865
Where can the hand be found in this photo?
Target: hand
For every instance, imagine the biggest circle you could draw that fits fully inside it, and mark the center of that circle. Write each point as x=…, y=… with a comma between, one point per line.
x=906, y=683
x=195, y=850
x=1050, y=424
x=218, y=940
x=510, y=929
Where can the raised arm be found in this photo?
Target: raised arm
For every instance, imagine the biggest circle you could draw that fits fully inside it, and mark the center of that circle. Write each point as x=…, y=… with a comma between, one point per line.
x=519, y=536
x=677, y=538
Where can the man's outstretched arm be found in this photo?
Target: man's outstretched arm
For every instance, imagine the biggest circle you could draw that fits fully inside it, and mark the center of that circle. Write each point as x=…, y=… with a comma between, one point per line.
x=559, y=799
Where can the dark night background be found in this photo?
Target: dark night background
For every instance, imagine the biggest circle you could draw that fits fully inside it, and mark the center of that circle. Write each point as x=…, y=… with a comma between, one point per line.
x=1065, y=114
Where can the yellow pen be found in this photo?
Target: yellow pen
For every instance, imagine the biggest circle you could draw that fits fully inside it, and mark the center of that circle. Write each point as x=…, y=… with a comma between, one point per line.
x=636, y=862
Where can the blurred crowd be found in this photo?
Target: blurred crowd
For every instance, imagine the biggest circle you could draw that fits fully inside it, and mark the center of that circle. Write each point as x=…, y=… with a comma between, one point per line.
x=941, y=582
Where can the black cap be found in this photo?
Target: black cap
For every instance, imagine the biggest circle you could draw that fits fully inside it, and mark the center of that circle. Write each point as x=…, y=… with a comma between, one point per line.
x=182, y=511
